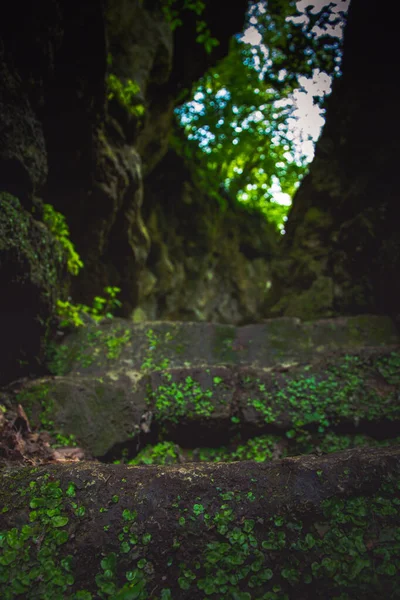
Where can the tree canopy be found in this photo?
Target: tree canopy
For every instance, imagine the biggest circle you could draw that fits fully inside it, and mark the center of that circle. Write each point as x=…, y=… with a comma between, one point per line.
x=240, y=123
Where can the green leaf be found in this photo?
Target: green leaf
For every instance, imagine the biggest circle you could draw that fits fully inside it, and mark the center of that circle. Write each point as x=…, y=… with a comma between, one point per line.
x=59, y=521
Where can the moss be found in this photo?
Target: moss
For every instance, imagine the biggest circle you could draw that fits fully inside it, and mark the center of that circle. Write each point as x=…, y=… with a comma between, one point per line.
x=31, y=242
x=340, y=553
x=34, y=275
x=59, y=358
x=176, y=400
x=93, y=345
x=32, y=562
x=163, y=453
x=261, y=448
x=389, y=368
x=156, y=345
x=349, y=548
x=320, y=400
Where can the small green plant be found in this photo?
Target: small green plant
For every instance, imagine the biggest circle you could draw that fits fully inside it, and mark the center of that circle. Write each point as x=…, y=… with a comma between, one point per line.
x=126, y=92
x=162, y=454
x=105, y=307
x=116, y=343
x=57, y=224
x=63, y=441
x=154, y=340
x=72, y=314
x=184, y=399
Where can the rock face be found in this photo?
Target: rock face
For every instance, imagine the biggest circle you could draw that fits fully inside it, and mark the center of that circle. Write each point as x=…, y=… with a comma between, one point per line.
x=31, y=268
x=341, y=253
x=205, y=263
x=67, y=142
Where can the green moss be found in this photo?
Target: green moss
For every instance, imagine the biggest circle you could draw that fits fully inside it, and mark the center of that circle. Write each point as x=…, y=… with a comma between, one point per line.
x=174, y=401
x=163, y=453
x=115, y=343
x=34, y=564
x=95, y=343
x=259, y=449
x=154, y=341
x=320, y=400
x=57, y=224
x=389, y=368
x=31, y=556
x=290, y=556
x=20, y=233
x=262, y=448
x=60, y=357
x=350, y=550
x=38, y=263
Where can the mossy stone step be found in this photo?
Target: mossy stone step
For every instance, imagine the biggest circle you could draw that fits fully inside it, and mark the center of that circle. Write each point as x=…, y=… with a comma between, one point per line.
x=120, y=346
x=210, y=405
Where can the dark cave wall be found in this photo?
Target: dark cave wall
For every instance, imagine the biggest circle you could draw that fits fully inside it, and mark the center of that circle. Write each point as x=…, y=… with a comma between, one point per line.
x=65, y=143
x=341, y=252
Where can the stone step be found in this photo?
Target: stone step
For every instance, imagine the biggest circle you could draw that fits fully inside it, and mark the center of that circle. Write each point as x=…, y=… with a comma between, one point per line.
x=118, y=346
x=306, y=527
x=210, y=405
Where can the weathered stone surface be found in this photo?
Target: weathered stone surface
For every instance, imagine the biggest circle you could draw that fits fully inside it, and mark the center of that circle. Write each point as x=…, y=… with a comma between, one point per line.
x=141, y=45
x=218, y=273
x=118, y=345
x=295, y=525
x=127, y=385
x=210, y=406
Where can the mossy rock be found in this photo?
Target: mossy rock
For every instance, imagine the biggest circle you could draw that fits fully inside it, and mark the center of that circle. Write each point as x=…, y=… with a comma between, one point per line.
x=31, y=270
x=119, y=346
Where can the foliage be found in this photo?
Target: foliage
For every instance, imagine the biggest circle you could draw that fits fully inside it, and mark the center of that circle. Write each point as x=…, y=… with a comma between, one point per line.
x=125, y=92
x=347, y=547
x=72, y=314
x=57, y=224
x=149, y=363
x=161, y=454
x=173, y=14
x=238, y=125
